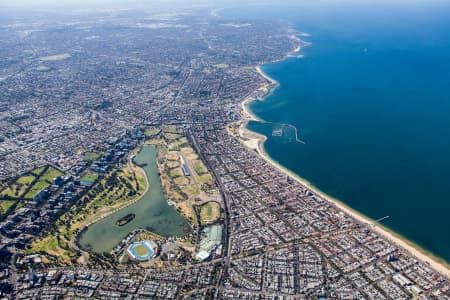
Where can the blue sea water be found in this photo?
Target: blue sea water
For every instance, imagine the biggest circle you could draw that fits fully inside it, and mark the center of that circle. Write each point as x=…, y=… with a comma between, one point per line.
x=371, y=100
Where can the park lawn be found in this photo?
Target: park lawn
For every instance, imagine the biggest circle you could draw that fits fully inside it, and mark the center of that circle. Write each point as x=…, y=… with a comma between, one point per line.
x=189, y=153
x=115, y=196
x=199, y=167
x=93, y=155
x=181, y=181
x=176, y=145
x=155, y=142
x=170, y=129
x=175, y=173
x=186, y=150
x=26, y=180
x=18, y=188
x=172, y=155
x=19, y=206
x=89, y=177
x=203, y=178
x=38, y=171
x=186, y=210
x=148, y=235
x=175, y=195
x=36, y=188
x=11, y=191
x=172, y=136
x=50, y=174
x=5, y=205
x=152, y=131
x=191, y=190
x=209, y=212
x=111, y=197
x=49, y=245
x=173, y=164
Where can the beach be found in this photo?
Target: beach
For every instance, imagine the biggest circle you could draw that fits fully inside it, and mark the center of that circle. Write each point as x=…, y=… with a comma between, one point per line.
x=255, y=141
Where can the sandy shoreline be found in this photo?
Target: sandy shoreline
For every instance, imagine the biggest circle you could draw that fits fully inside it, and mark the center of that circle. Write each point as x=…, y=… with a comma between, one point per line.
x=256, y=141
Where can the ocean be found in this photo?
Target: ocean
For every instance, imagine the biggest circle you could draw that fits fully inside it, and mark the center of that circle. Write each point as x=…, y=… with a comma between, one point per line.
x=370, y=98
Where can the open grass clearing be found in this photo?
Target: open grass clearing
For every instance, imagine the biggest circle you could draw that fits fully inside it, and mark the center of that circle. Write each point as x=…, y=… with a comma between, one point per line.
x=38, y=171
x=191, y=190
x=172, y=136
x=170, y=129
x=199, y=167
x=16, y=189
x=89, y=177
x=173, y=164
x=36, y=188
x=152, y=131
x=181, y=181
x=175, y=173
x=26, y=180
x=203, y=178
x=155, y=142
x=93, y=155
x=5, y=205
x=186, y=150
x=172, y=155
x=186, y=210
x=209, y=212
x=50, y=174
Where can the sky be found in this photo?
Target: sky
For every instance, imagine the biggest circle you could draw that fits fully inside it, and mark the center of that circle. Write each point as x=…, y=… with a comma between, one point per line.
x=116, y=3
x=187, y=3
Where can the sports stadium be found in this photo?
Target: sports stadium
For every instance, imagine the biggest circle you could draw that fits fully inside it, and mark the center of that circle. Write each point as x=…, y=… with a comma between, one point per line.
x=143, y=250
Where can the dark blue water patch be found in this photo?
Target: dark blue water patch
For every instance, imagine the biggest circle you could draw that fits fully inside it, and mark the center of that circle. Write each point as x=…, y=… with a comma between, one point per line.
x=371, y=100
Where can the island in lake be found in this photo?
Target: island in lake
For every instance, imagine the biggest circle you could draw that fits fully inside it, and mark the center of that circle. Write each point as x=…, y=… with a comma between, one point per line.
x=125, y=220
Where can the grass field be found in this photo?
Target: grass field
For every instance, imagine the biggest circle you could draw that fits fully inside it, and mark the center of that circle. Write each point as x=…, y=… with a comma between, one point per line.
x=185, y=209
x=172, y=136
x=199, y=167
x=175, y=173
x=152, y=131
x=155, y=142
x=36, y=188
x=45, y=177
x=170, y=129
x=5, y=205
x=209, y=212
x=204, y=178
x=26, y=180
x=178, y=143
x=172, y=155
x=50, y=174
x=16, y=189
x=141, y=250
x=181, y=181
x=90, y=177
x=38, y=171
x=93, y=155
x=173, y=164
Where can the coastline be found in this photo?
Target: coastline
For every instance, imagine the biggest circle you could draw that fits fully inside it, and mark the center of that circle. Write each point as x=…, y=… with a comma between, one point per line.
x=255, y=141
